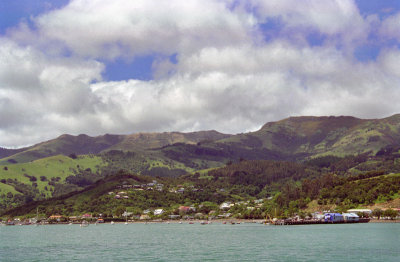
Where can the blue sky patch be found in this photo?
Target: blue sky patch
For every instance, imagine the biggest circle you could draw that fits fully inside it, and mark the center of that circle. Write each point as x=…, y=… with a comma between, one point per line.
x=13, y=12
x=139, y=68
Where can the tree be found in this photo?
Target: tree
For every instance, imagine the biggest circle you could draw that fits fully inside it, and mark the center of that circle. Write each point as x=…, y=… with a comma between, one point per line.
x=118, y=211
x=377, y=212
x=390, y=213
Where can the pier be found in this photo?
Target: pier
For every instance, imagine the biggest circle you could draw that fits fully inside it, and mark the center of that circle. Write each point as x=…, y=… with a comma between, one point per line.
x=288, y=222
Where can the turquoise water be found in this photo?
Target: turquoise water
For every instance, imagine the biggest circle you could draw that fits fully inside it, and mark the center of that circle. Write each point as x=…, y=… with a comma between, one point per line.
x=214, y=242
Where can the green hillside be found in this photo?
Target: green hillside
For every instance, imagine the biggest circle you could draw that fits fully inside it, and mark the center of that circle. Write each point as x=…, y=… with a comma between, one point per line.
x=42, y=178
x=65, y=145
x=259, y=188
x=145, y=141
x=299, y=138
x=294, y=139
x=343, y=145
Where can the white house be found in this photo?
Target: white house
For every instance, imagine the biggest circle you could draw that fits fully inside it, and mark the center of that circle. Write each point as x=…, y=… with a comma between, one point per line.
x=225, y=206
x=158, y=211
x=350, y=217
x=355, y=211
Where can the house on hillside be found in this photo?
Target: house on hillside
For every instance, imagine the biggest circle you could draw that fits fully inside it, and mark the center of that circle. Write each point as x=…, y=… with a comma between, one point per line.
x=144, y=217
x=55, y=217
x=158, y=212
x=184, y=209
x=84, y=216
x=226, y=205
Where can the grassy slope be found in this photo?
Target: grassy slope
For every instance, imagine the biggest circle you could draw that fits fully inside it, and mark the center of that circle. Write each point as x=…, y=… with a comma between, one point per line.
x=319, y=136
x=65, y=144
x=55, y=166
x=4, y=189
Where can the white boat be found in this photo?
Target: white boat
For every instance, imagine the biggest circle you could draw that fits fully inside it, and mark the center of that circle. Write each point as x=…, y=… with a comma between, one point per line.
x=84, y=223
x=112, y=222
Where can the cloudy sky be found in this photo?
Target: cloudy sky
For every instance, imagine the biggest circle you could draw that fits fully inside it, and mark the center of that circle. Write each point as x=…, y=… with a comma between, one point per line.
x=121, y=67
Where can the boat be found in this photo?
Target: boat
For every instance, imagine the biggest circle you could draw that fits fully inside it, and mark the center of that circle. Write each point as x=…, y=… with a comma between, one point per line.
x=126, y=217
x=84, y=223
x=112, y=223
x=10, y=223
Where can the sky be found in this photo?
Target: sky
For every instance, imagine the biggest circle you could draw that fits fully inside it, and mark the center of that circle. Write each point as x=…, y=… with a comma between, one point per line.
x=121, y=67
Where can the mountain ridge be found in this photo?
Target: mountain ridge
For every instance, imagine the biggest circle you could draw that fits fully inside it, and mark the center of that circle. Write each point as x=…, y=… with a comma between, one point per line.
x=293, y=138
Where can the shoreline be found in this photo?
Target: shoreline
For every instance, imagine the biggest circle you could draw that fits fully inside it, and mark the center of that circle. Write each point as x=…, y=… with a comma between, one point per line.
x=218, y=221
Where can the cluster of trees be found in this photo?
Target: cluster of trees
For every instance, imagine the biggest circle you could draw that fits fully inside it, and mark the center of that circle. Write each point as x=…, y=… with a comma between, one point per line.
x=390, y=213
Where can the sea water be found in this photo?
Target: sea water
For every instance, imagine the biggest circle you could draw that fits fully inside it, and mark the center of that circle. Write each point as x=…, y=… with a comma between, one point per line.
x=195, y=242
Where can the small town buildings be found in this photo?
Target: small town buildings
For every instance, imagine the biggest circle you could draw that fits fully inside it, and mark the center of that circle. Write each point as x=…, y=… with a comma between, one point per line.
x=365, y=211
x=226, y=215
x=55, y=217
x=350, y=217
x=158, y=211
x=333, y=217
x=198, y=215
x=259, y=201
x=127, y=214
x=144, y=217
x=226, y=206
x=174, y=216
x=318, y=216
x=86, y=216
x=73, y=218
x=184, y=209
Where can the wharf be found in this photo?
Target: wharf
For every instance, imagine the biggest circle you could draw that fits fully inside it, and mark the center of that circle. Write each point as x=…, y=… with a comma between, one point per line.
x=314, y=222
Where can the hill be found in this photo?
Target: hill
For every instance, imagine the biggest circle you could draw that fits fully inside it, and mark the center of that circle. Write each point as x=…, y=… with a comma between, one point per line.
x=294, y=139
x=46, y=177
x=327, y=140
x=299, y=138
x=258, y=188
x=84, y=144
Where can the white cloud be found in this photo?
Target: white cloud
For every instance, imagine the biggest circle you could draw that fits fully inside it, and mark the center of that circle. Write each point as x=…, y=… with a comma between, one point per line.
x=390, y=27
x=338, y=20
x=237, y=89
x=33, y=86
x=226, y=77
x=112, y=29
